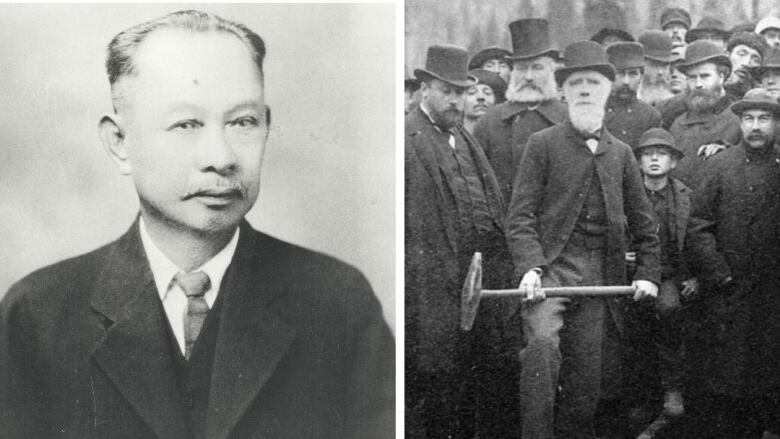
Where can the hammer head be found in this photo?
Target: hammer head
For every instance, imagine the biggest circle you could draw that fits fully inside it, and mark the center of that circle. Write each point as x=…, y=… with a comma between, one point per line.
x=471, y=293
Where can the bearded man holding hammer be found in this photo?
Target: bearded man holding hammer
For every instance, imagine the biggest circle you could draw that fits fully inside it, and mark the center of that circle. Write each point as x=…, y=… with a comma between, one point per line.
x=577, y=193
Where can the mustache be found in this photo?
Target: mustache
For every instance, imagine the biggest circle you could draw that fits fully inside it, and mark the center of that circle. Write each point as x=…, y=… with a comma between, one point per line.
x=218, y=188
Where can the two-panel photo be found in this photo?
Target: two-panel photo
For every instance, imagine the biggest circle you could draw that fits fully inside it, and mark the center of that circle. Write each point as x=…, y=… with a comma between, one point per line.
x=230, y=221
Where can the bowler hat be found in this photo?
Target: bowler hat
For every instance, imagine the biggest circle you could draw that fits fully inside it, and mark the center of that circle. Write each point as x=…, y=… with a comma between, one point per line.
x=486, y=55
x=658, y=46
x=584, y=55
x=703, y=51
x=620, y=34
x=492, y=80
x=767, y=23
x=531, y=38
x=675, y=15
x=626, y=55
x=771, y=61
x=446, y=63
x=756, y=99
x=658, y=137
x=742, y=27
x=707, y=24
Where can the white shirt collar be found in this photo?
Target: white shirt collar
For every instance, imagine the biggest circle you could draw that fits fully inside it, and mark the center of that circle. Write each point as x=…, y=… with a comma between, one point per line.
x=163, y=269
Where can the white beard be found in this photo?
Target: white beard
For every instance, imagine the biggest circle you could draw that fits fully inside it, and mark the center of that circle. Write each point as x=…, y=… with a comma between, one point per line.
x=588, y=118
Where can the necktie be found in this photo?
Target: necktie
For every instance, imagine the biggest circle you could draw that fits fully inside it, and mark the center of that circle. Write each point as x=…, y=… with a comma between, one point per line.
x=194, y=285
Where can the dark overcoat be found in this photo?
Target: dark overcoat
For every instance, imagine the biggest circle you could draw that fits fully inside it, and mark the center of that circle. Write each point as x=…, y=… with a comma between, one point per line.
x=629, y=120
x=692, y=130
x=503, y=133
x=302, y=350
x=551, y=187
x=733, y=338
x=433, y=273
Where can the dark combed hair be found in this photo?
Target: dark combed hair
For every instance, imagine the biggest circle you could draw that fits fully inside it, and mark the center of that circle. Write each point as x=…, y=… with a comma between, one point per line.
x=122, y=48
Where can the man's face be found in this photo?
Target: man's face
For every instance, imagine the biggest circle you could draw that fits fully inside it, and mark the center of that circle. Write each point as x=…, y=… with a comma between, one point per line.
x=626, y=83
x=676, y=32
x=478, y=99
x=772, y=37
x=770, y=80
x=532, y=80
x=656, y=73
x=677, y=81
x=499, y=66
x=656, y=161
x=743, y=56
x=192, y=126
x=704, y=77
x=586, y=92
x=715, y=38
x=444, y=102
x=758, y=127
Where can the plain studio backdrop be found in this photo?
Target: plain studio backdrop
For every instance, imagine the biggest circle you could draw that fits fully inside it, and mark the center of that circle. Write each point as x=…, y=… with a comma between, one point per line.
x=328, y=176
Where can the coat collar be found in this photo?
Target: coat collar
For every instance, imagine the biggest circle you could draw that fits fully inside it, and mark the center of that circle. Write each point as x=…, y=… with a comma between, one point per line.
x=135, y=350
x=552, y=110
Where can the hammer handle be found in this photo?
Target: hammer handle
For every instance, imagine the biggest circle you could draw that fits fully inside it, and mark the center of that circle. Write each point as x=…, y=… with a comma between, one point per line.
x=595, y=291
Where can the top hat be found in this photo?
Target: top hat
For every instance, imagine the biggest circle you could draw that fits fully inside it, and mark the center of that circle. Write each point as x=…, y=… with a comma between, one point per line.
x=626, y=55
x=658, y=137
x=703, y=51
x=771, y=61
x=446, y=63
x=479, y=59
x=767, y=23
x=584, y=55
x=492, y=80
x=658, y=46
x=620, y=34
x=756, y=99
x=675, y=15
x=531, y=38
x=707, y=24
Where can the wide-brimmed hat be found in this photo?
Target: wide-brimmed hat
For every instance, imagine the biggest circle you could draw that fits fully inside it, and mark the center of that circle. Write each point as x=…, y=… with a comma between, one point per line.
x=626, y=55
x=675, y=15
x=483, y=55
x=531, y=38
x=756, y=99
x=749, y=39
x=658, y=137
x=703, y=51
x=767, y=23
x=584, y=55
x=658, y=46
x=492, y=80
x=707, y=24
x=771, y=61
x=446, y=63
x=602, y=35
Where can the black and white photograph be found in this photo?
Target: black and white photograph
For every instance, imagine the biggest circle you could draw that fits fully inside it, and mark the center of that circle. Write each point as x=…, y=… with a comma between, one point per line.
x=198, y=220
x=591, y=234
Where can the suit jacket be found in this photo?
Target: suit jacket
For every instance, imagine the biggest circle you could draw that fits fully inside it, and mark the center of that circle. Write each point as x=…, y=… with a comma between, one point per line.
x=503, y=133
x=434, y=276
x=550, y=191
x=302, y=349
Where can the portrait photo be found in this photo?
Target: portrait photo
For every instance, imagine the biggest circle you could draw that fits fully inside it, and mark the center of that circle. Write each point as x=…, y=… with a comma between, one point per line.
x=199, y=220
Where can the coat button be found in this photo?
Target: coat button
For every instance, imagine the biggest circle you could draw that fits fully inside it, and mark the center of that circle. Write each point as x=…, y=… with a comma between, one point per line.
x=747, y=160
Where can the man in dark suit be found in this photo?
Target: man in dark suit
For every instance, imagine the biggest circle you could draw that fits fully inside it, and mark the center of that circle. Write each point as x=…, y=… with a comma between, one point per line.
x=192, y=324
x=453, y=208
x=577, y=194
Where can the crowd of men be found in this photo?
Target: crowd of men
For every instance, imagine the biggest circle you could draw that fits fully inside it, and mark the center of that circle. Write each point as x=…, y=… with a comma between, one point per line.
x=648, y=162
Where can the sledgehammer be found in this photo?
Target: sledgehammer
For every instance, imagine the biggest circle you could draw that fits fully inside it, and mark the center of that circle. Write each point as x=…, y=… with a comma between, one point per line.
x=472, y=292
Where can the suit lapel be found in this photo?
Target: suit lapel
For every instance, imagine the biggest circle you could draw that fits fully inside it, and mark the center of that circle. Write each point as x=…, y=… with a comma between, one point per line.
x=252, y=339
x=135, y=352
